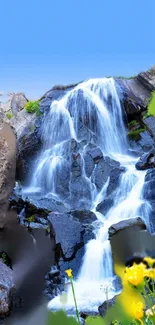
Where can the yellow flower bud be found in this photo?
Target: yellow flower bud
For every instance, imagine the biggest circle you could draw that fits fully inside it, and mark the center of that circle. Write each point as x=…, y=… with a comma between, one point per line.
x=138, y=310
x=69, y=273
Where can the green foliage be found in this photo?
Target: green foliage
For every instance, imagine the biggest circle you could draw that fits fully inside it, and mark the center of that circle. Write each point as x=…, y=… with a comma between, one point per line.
x=32, y=218
x=97, y=320
x=151, y=105
x=135, y=134
x=146, y=115
x=5, y=258
x=60, y=318
x=32, y=128
x=9, y=115
x=132, y=123
x=33, y=107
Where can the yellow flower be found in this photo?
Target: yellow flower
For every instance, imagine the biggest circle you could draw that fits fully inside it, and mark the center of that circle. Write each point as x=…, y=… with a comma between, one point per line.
x=69, y=273
x=138, y=310
x=135, y=274
x=150, y=261
x=150, y=273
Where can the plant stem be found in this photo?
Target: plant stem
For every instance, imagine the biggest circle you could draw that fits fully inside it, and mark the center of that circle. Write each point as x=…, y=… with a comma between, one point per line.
x=77, y=313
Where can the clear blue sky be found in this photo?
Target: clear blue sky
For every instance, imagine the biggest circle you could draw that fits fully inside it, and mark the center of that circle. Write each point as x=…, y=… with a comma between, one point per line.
x=47, y=42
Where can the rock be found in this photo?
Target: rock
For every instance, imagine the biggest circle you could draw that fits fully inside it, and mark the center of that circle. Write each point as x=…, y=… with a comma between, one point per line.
x=18, y=101
x=134, y=96
x=103, y=308
x=148, y=79
x=72, y=231
x=150, y=123
x=6, y=287
x=145, y=143
x=7, y=168
x=107, y=167
x=126, y=224
x=146, y=161
x=105, y=205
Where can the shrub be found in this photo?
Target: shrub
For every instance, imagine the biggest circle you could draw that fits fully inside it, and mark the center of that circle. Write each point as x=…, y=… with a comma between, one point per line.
x=151, y=105
x=9, y=115
x=33, y=107
x=135, y=134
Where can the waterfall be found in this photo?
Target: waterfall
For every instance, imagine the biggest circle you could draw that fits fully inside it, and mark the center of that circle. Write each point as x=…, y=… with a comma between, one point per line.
x=91, y=111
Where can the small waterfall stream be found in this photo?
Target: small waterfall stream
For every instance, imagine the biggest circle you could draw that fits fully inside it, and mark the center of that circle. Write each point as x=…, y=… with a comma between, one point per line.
x=96, y=105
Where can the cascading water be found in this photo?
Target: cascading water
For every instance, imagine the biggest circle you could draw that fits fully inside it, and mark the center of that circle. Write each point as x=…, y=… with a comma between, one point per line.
x=95, y=105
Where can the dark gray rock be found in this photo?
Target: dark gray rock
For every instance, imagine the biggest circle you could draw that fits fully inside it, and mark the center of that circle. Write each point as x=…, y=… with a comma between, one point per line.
x=105, y=205
x=105, y=306
x=107, y=168
x=125, y=224
x=6, y=287
x=146, y=161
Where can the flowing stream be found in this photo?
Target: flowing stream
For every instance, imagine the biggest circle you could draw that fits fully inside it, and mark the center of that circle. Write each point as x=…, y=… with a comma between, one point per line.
x=96, y=100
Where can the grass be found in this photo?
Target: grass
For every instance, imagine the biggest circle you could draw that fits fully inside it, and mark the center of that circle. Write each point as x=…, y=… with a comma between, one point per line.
x=151, y=105
x=33, y=107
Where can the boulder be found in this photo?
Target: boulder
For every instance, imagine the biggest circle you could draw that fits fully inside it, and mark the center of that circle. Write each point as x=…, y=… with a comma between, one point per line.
x=107, y=167
x=70, y=230
x=147, y=79
x=146, y=161
x=115, y=228
x=7, y=167
x=6, y=287
x=150, y=123
x=106, y=305
x=18, y=101
x=105, y=205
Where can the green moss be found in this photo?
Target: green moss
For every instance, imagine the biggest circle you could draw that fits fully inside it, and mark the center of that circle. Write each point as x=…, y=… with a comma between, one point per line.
x=32, y=218
x=135, y=134
x=6, y=259
x=151, y=105
x=33, y=107
x=9, y=115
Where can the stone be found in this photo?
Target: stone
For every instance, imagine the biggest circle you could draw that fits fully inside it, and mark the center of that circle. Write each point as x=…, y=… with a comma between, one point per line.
x=72, y=231
x=148, y=78
x=150, y=123
x=126, y=224
x=106, y=305
x=18, y=101
x=7, y=168
x=6, y=287
x=146, y=161
x=105, y=205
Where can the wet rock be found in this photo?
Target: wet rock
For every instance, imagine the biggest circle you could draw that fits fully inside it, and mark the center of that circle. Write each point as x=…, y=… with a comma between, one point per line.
x=104, y=307
x=18, y=102
x=105, y=205
x=146, y=161
x=72, y=231
x=107, y=167
x=7, y=168
x=150, y=123
x=125, y=224
x=144, y=144
x=6, y=287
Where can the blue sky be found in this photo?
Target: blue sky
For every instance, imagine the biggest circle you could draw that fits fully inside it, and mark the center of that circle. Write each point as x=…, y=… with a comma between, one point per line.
x=43, y=43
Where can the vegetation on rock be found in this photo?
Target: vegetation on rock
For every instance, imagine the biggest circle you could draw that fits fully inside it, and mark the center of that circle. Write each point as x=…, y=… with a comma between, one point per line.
x=135, y=134
x=151, y=105
x=9, y=115
x=33, y=107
